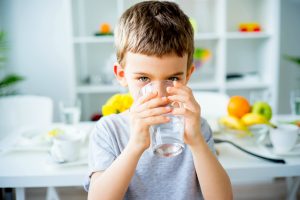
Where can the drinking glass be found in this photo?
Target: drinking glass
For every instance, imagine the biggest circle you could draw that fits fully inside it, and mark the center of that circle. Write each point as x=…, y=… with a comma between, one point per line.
x=295, y=101
x=70, y=113
x=259, y=95
x=166, y=138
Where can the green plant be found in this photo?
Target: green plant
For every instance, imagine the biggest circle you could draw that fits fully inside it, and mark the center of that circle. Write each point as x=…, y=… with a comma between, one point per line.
x=2, y=49
x=7, y=81
x=293, y=59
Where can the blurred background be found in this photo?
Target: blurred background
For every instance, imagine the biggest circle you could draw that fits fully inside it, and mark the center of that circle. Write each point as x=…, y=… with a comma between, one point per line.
x=64, y=49
x=58, y=48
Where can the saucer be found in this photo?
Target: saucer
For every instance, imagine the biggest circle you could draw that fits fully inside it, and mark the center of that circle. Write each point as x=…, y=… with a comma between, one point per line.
x=78, y=162
x=82, y=160
x=293, y=152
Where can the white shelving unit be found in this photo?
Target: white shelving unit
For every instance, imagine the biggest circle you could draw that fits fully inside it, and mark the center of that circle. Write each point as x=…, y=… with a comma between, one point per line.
x=253, y=55
x=102, y=39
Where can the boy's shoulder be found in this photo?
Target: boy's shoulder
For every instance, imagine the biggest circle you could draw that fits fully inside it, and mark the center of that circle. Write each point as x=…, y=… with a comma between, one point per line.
x=112, y=119
x=113, y=124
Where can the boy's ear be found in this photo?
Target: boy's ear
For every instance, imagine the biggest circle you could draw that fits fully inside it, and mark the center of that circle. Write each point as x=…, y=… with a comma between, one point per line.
x=120, y=74
x=190, y=72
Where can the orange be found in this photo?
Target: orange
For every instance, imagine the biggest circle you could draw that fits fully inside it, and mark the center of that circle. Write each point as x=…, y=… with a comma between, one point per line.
x=238, y=106
x=105, y=28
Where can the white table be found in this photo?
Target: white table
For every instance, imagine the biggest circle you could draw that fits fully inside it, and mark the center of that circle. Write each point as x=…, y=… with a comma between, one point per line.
x=26, y=169
x=241, y=166
x=31, y=169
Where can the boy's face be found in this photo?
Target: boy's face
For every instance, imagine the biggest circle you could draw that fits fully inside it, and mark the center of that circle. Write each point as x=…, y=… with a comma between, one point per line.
x=142, y=69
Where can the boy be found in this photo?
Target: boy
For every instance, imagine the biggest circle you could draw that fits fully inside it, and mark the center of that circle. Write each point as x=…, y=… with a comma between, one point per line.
x=154, y=42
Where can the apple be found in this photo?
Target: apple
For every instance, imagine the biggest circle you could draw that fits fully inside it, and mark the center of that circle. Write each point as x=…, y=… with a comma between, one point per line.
x=262, y=108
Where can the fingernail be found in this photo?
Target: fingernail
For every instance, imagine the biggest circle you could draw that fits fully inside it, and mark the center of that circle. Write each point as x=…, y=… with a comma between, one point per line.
x=168, y=108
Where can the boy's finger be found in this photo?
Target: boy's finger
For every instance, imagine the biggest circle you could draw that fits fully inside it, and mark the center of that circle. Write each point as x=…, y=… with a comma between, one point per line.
x=137, y=104
x=183, y=90
x=153, y=103
x=182, y=111
x=155, y=112
x=179, y=98
x=187, y=101
x=147, y=97
x=156, y=120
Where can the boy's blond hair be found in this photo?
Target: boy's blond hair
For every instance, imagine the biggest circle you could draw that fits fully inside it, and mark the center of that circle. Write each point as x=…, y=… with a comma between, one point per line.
x=154, y=28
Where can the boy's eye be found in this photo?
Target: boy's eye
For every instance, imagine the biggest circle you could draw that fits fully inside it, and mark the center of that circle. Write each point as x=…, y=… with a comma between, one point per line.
x=144, y=79
x=174, y=79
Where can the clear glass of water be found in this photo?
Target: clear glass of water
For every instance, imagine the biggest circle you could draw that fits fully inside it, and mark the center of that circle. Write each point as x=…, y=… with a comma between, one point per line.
x=295, y=101
x=70, y=112
x=167, y=138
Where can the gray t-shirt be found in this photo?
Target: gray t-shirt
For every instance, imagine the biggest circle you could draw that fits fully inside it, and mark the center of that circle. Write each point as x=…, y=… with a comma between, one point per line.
x=155, y=177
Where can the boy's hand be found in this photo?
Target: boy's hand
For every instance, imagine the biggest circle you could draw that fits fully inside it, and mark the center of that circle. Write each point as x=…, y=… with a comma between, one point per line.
x=146, y=111
x=191, y=111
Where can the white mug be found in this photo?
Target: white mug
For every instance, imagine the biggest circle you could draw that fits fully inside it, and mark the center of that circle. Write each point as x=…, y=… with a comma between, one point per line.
x=284, y=137
x=65, y=148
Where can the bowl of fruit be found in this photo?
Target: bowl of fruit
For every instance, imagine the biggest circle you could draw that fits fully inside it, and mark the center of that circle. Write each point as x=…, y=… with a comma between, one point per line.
x=247, y=122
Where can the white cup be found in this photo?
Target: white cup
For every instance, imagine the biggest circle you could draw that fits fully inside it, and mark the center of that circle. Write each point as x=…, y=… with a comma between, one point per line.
x=284, y=138
x=65, y=148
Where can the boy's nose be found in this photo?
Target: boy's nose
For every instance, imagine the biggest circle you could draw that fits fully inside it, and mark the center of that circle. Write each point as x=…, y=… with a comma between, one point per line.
x=161, y=89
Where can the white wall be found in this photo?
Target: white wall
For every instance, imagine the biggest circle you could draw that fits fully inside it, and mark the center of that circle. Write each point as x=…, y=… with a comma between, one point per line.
x=38, y=43
x=290, y=45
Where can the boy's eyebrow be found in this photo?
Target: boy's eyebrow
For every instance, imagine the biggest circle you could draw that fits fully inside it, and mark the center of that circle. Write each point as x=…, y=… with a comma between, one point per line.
x=177, y=74
x=145, y=74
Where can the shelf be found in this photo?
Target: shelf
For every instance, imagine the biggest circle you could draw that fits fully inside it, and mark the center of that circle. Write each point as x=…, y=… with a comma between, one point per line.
x=100, y=89
x=245, y=85
x=204, y=13
x=203, y=85
x=198, y=36
x=250, y=11
x=217, y=29
x=250, y=35
x=206, y=36
x=110, y=38
x=94, y=39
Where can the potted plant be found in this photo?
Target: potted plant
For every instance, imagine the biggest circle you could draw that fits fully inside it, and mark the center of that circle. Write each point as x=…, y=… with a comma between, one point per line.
x=7, y=81
x=293, y=59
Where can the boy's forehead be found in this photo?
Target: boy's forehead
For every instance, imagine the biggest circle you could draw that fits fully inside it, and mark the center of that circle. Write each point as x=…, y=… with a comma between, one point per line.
x=172, y=62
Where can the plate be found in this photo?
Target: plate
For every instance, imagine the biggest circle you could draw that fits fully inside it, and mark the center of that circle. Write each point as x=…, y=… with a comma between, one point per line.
x=25, y=140
x=258, y=134
x=293, y=152
x=80, y=161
